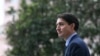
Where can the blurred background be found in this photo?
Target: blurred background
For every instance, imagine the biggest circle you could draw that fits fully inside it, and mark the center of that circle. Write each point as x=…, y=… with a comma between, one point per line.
x=27, y=27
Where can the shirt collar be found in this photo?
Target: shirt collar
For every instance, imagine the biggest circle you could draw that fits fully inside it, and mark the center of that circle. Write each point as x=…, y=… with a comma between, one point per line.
x=69, y=38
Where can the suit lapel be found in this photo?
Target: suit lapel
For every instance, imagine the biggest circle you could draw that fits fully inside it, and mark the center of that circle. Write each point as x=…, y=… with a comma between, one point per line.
x=75, y=36
x=66, y=49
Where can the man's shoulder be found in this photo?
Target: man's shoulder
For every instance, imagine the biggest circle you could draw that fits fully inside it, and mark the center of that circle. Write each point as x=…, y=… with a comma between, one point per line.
x=78, y=44
x=78, y=41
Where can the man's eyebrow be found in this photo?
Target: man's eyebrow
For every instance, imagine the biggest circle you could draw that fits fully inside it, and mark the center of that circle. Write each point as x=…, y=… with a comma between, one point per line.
x=59, y=23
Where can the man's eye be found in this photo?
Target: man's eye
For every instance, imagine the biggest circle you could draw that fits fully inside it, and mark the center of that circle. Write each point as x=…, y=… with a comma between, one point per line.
x=61, y=24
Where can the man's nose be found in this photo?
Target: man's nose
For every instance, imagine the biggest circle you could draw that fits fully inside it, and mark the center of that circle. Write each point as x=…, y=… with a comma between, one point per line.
x=57, y=27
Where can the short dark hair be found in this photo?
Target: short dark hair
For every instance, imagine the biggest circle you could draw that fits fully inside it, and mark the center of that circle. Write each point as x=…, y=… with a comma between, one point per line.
x=70, y=18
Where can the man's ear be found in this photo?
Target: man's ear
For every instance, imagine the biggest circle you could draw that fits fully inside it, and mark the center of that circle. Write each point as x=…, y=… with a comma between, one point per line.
x=73, y=25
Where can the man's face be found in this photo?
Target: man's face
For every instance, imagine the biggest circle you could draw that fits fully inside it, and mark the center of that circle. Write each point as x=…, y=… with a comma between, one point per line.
x=63, y=28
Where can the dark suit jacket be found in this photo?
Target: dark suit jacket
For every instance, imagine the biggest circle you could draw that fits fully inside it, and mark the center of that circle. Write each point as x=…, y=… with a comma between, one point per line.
x=76, y=47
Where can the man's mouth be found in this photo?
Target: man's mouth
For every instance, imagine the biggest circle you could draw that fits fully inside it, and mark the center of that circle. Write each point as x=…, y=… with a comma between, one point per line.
x=58, y=32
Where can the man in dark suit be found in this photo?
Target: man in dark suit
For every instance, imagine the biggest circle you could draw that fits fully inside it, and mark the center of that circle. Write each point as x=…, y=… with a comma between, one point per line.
x=67, y=26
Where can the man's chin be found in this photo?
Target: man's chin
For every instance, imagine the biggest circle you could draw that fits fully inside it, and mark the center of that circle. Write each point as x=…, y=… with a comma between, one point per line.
x=60, y=36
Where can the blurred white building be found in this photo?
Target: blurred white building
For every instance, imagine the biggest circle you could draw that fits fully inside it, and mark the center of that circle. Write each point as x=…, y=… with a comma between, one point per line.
x=5, y=6
x=8, y=5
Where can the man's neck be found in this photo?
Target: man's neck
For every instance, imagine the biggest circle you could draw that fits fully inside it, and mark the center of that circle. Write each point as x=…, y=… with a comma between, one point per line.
x=69, y=35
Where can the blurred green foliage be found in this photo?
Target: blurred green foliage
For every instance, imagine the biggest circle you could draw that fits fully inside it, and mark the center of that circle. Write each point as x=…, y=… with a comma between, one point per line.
x=34, y=33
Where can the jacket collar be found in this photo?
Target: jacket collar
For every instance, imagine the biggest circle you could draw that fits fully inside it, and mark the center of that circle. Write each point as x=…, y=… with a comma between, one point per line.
x=70, y=38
